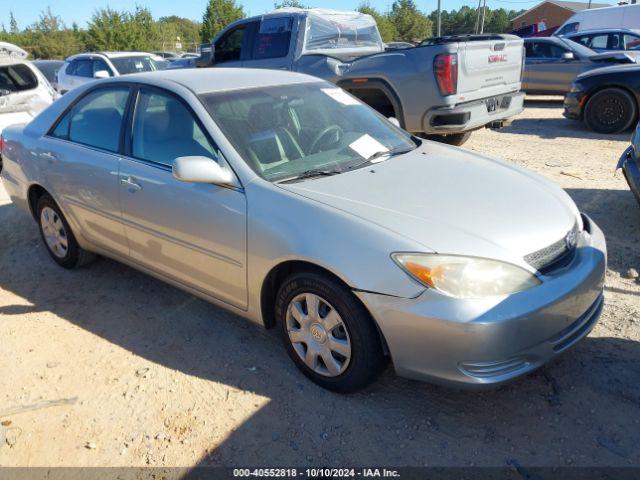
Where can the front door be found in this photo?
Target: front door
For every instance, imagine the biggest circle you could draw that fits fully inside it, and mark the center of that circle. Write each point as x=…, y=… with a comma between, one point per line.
x=232, y=47
x=192, y=233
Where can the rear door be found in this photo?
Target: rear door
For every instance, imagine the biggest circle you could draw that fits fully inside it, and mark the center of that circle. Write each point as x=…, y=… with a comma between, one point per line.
x=192, y=233
x=80, y=162
x=485, y=67
x=272, y=43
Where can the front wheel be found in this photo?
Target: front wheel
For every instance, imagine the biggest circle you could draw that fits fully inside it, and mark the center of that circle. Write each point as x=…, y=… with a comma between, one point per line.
x=456, y=139
x=611, y=110
x=327, y=332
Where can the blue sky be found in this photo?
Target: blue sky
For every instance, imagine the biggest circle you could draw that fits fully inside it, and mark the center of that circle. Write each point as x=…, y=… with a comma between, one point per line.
x=26, y=11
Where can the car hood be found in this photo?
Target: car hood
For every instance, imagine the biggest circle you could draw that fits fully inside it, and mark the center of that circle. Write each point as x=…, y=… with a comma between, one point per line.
x=452, y=201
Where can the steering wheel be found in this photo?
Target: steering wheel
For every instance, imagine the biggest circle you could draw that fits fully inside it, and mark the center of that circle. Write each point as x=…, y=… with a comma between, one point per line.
x=317, y=141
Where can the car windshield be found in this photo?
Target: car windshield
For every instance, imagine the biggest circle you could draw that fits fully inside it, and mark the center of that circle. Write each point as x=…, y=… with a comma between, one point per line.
x=134, y=64
x=303, y=130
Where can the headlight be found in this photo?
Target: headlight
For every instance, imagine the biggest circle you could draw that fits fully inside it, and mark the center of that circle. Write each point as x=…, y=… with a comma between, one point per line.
x=466, y=277
x=575, y=87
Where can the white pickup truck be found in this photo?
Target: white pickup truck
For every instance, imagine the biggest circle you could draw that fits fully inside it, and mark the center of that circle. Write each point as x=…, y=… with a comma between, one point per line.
x=443, y=88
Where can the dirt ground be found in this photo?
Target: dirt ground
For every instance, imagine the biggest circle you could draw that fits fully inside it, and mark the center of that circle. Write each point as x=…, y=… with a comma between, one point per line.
x=107, y=366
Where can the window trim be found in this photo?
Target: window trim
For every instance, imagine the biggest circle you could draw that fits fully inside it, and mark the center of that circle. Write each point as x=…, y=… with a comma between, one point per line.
x=127, y=147
x=74, y=104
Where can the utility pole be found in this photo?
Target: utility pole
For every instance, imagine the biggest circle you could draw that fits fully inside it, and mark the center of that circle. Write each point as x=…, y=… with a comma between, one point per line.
x=438, y=25
x=477, y=27
x=484, y=12
x=589, y=7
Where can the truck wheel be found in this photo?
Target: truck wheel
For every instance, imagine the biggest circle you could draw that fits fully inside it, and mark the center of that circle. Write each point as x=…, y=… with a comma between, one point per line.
x=456, y=139
x=611, y=110
x=327, y=332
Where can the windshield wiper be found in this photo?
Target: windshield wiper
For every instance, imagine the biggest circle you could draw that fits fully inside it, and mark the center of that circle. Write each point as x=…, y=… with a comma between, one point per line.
x=381, y=153
x=312, y=173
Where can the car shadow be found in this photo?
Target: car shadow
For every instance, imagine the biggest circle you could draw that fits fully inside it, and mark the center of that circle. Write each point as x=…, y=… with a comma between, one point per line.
x=551, y=126
x=580, y=409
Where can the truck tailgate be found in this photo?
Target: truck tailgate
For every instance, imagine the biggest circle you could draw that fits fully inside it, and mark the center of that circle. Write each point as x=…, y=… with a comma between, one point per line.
x=489, y=67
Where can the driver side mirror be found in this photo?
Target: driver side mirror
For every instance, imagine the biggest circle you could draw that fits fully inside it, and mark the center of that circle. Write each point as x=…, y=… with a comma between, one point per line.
x=101, y=74
x=567, y=56
x=199, y=169
x=394, y=121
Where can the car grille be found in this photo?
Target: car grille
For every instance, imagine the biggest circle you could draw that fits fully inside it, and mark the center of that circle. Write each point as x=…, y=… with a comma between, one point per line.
x=553, y=256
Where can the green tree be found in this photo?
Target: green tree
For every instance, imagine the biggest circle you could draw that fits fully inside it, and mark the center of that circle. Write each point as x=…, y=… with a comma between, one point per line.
x=387, y=29
x=219, y=14
x=411, y=24
x=290, y=3
x=13, y=25
x=174, y=27
x=107, y=30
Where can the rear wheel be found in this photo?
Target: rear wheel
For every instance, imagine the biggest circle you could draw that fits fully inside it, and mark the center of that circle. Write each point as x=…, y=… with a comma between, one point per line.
x=611, y=110
x=327, y=333
x=58, y=237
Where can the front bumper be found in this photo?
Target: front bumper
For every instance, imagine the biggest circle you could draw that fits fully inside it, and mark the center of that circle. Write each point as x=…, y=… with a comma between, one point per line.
x=573, y=105
x=476, y=342
x=631, y=170
x=471, y=115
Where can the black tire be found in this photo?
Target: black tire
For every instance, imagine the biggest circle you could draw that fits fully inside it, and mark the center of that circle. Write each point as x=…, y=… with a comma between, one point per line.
x=367, y=357
x=456, y=139
x=75, y=255
x=611, y=110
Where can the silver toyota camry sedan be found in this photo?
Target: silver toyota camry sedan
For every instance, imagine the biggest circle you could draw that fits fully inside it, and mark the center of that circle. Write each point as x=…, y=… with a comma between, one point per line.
x=288, y=201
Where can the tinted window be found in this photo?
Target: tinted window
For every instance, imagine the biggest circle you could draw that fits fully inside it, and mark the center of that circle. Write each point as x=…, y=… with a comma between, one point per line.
x=133, y=64
x=48, y=68
x=84, y=68
x=164, y=129
x=229, y=47
x=71, y=68
x=96, y=120
x=17, y=78
x=543, y=50
x=273, y=38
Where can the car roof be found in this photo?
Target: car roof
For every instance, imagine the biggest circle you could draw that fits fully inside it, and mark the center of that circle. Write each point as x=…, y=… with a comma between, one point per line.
x=603, y=30
x=210, y=80
x=109, y=54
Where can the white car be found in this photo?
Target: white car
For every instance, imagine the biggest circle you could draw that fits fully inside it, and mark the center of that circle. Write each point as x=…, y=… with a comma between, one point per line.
x=24, y=90
x=84, y=67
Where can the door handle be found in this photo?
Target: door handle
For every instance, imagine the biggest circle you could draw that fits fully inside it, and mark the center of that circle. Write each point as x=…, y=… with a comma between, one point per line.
x=129, y=181
x=50, y=156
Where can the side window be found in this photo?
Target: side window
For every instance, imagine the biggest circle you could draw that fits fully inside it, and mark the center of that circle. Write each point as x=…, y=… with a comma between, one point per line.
x=581, y=39
x=17, y=78
x=546, y=50
x=598, y=41
x=96, y=120
x=273, y=38
x=229, y=47
x=71, y=68
x=84, y=68
x=568, y=28
x=529, y=49
x=164, y=129
x=99, y=64
x=631, y=42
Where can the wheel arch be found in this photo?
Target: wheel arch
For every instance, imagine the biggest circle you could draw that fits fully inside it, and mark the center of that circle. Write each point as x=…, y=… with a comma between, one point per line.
x=352, y=85
x=280, y=272
x=34, y=193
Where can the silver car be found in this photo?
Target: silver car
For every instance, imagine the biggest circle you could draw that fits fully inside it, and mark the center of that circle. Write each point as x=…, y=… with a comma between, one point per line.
x=286, y=200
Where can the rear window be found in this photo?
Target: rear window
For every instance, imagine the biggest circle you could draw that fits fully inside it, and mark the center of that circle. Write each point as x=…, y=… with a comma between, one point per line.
x=17, y=78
